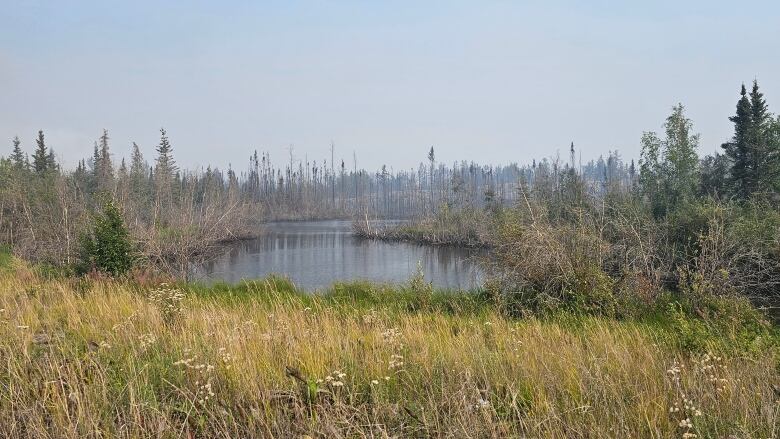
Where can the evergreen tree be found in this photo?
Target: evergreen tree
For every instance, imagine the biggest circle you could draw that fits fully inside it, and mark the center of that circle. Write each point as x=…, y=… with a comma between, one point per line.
x=51, y=161
x=41, y=157
x=104, y=170
x=738, y=150
x=765, y=152
x=137, y=163
x=107, y=247
x=18, y=157
x=164, y=171
x=165, y=167
x=754, y=151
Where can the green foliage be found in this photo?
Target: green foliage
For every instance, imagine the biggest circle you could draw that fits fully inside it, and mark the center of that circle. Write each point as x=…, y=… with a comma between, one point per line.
x=727, y=325
x=669, y=167
x=49, y=271
x=40, y=158
x=106, y=248
x=681, y=160
x=754, y=150
x=6, y=258
x=417, y=283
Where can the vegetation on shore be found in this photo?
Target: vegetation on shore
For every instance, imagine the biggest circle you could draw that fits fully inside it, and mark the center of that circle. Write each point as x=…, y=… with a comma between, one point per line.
x=467, y=227
x=97, y=357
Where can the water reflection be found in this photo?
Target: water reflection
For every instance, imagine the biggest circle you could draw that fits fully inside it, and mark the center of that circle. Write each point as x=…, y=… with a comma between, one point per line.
x=315, y=254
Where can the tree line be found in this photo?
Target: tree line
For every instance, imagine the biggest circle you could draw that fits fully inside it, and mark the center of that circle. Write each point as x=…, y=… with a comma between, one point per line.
x=175, y=215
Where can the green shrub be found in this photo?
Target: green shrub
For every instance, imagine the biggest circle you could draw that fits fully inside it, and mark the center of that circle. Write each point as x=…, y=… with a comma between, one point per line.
x=6, y=258
x=106, y=248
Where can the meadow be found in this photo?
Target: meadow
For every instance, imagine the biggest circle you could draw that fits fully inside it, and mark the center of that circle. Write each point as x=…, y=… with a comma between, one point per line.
x=94, y=357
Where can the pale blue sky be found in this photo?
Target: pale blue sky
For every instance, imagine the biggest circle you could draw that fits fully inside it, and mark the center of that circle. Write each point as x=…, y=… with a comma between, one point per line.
x=491, y=81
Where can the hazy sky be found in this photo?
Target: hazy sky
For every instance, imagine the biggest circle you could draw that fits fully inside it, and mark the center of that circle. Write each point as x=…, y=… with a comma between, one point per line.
x=490, y=81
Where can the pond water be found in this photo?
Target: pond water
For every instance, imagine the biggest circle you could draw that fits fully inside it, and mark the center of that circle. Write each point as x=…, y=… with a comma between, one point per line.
x=315, y=254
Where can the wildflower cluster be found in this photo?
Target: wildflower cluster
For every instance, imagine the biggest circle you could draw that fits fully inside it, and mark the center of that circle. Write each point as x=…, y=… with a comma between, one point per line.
x=683, y=408
x=146, y=340
x=169, y=301
x=391, y=336
x=370, y=318
x=516, y=343
x=396, y=361
x=226, y=358
x=481, y=404
x=712, y=367
x=202, y=372
x=336, y=379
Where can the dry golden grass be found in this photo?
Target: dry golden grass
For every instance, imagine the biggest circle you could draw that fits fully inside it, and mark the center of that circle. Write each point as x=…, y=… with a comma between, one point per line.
x=103, y=360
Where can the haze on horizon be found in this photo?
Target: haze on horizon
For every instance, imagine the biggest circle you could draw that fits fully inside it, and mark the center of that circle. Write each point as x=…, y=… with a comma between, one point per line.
x=493, y=82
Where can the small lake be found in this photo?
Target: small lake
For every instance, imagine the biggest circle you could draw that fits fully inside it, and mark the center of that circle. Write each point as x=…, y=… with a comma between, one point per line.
x=315, y=254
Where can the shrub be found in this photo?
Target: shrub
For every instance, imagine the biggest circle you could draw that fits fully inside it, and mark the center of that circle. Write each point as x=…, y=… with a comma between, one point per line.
x=545, y=266
x=6, y=258
x=106, y=248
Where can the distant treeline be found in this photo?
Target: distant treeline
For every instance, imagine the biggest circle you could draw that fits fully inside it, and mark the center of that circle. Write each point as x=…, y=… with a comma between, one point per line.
x=176, y=214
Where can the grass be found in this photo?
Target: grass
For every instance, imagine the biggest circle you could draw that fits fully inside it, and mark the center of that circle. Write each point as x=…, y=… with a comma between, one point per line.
x=114, y=359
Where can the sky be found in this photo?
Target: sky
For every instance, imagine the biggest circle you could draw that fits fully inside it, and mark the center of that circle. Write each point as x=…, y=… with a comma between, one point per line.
x=490, y=81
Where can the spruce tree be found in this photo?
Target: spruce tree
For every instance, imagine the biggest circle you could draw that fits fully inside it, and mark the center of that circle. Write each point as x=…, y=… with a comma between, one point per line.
x=104, y=172
x=51, y=161
x=107, y=247
x=738, y=150
x=165, y=166
x=137, y=164
x=18, y=158
x=765, y=154
x=164, y=171
x=41, y=156
x=138, y=175
x=754, y=151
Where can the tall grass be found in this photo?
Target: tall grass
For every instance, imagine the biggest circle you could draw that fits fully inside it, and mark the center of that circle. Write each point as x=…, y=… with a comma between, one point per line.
x=113, y=359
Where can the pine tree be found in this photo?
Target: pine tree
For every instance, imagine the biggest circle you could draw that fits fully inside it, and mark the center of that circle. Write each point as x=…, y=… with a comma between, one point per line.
x=18, y=157
x=41, y=156
x=765, y=154
x=165, y=167
x=738, y=150
x=137, y=163
x=754, y=151
x=107, y=247
x=51, y=161
x=95, y=161
x=104, y=170
x=164, y=170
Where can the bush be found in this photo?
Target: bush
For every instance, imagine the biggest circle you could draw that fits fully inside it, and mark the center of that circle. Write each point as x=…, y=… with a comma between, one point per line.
x=106, y=248
x=6, y=258
x=542, y=265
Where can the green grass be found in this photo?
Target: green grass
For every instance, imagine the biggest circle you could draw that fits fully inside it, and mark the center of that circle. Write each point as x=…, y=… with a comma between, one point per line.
x=92, y=357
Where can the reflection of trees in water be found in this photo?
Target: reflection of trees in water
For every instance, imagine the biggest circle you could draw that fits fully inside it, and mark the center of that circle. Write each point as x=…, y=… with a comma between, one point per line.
x=317, y=257
x=291, y=241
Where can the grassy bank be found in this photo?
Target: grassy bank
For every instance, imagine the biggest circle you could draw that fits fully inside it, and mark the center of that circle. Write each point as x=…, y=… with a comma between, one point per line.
x=95, y=358
x=462, y=227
